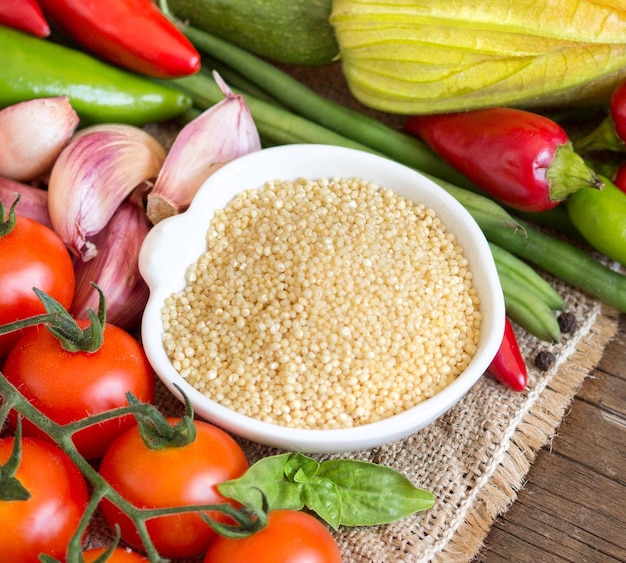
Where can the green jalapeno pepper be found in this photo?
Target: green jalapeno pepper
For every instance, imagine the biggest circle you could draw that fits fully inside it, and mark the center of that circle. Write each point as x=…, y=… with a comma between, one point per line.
x=600, y=217
x=100, y=93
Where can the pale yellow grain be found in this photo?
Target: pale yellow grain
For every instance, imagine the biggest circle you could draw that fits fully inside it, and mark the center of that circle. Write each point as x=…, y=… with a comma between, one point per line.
x=324, y=304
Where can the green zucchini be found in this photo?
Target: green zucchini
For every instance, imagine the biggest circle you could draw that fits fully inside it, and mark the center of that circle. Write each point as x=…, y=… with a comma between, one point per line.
x=285, y=31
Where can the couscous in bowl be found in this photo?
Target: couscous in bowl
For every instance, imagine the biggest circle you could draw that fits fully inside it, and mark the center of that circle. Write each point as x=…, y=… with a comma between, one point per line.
x=271, y=350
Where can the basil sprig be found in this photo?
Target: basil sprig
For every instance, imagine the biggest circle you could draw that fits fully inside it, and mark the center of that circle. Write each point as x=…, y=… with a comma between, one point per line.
x=341, y=491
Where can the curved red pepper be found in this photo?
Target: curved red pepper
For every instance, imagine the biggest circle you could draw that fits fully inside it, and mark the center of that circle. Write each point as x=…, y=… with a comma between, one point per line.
x=25, y=15
x=522, y=159
x=610, y=133
x=133, y=34
x=620, y=177
x=617, y=110
x=508, y=365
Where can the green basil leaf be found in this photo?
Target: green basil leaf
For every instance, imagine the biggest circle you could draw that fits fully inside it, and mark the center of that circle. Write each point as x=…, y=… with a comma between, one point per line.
x=267, y=474
x=307, y=472
x=373, y=494
x=341, y=491
x=322, y=497
x=296, y=462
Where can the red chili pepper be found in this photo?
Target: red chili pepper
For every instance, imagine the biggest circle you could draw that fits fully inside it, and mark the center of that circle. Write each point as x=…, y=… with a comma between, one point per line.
x=25, y=15
x=610, y=133
x=133, y=34
x=620, y=177
x=520, y=158
x=617, y=109
x=508, y=365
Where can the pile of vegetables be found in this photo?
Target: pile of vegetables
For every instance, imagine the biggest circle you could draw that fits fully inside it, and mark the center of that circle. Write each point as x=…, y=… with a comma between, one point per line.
x=82, y=181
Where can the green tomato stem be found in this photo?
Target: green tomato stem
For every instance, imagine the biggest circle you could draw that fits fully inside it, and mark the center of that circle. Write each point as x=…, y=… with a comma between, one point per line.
x=8, y=224
x=248, y=520
x=10, y=487
x=65, y=328
x=156, y=431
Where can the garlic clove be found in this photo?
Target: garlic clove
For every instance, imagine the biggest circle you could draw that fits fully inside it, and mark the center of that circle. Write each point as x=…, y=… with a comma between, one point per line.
x=220, y=134
x=33, y=202
x=32, y=135
x=97, y=170
x=115, y=268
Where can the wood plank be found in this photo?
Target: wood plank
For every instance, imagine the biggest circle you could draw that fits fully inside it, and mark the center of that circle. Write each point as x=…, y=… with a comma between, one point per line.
x=614, y=357
x=566, y=513
x=606, y=391
x=572, y=509
x=595, y=437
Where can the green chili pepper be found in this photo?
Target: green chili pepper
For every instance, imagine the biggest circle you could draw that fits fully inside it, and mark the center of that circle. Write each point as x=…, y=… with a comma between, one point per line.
x=600, y=216
x=100, y=93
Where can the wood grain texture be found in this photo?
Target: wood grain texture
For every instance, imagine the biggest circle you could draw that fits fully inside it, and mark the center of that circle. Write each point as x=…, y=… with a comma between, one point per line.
x=573, y=506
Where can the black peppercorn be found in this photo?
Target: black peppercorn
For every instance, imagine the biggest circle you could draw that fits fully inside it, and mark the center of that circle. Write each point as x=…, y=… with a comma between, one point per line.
x=567, y=322
x=544, y=360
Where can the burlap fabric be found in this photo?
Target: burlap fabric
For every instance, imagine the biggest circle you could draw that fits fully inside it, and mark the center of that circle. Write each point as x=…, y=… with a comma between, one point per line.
x=476, y=457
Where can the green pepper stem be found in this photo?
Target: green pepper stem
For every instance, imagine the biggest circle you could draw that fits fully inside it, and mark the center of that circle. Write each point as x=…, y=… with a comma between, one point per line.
x=568, y=173
x=603, y=137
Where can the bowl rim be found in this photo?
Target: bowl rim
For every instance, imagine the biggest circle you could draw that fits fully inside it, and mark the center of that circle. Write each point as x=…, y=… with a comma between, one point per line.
x=285, y=162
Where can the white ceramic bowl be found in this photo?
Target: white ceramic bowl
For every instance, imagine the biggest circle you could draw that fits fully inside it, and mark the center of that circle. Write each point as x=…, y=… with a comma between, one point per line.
x=175, y=243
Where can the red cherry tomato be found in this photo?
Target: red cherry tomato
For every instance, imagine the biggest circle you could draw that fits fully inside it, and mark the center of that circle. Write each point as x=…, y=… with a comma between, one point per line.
x=119, y=555
x=68, y=386
x=31, y=255
x=291, y=536
x=47, y=520
x=173, y=476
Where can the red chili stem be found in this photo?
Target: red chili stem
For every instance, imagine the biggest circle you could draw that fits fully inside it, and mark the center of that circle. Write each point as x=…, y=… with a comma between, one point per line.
x=508, y=365
x=522, y=159
x=134, y=34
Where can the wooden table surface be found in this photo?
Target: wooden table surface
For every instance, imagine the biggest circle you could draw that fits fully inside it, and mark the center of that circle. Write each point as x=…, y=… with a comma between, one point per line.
x=573, y=505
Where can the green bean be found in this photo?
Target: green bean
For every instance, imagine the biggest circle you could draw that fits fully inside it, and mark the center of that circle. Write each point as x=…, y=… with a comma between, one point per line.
x=349, y=123
x=526, y=277
x=529, y=311
x=486, y=212
x=280, y=126
x=565, y=261
x=556, y=219
x=235, y=80
x=277, y=124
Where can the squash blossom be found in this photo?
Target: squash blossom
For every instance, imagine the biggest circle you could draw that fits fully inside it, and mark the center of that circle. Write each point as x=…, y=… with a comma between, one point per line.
x=430, y=56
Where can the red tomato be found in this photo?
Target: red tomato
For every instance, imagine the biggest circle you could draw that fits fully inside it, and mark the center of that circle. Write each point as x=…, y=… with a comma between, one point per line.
x=291, y=536
x=47, y=520
x=68, y=386
x=31, y=255
x=174, y=476
x=119, y=555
